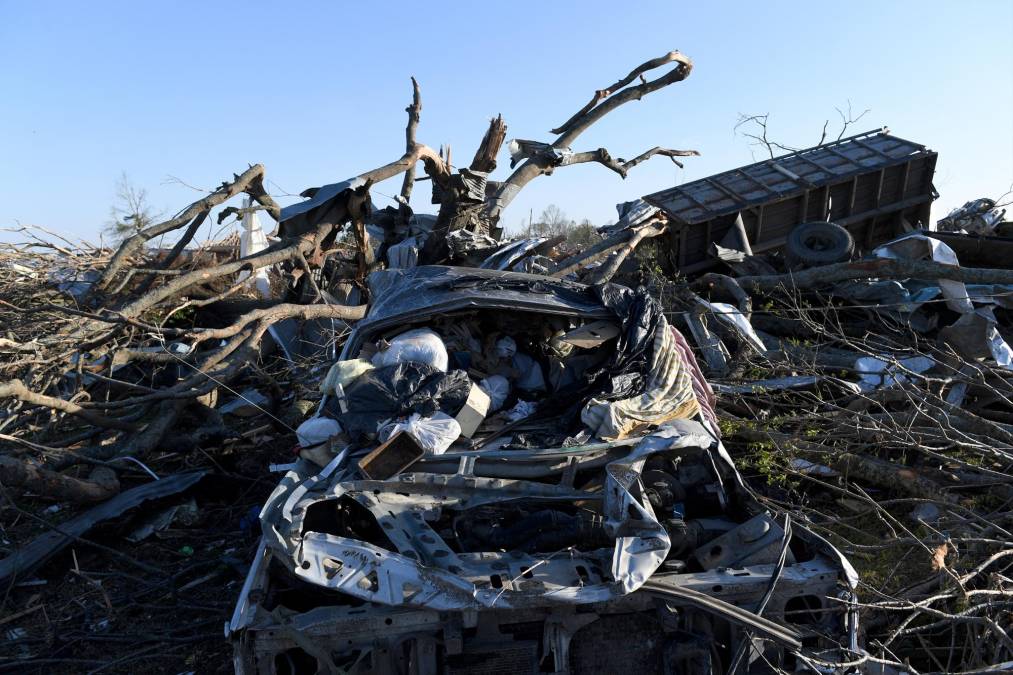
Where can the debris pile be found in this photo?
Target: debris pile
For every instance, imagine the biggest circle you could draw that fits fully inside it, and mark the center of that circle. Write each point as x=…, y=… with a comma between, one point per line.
x=386, y=441
x=870, y=397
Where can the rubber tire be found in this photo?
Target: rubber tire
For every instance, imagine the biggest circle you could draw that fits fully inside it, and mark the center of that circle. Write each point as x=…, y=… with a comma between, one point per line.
x=819, y=243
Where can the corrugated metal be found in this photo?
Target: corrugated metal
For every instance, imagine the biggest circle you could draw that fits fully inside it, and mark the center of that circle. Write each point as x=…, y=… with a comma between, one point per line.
x=784, y=177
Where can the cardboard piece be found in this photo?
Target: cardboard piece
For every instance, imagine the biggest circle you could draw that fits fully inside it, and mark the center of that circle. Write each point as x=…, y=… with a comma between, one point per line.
x=591, y=335
x=391, y=458
x=474, y=411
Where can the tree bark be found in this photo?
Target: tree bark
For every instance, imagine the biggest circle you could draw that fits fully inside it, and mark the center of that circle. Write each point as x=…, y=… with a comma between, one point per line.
x=18, y=473
x=878, y=268
x=17, y=389
x=602, y=103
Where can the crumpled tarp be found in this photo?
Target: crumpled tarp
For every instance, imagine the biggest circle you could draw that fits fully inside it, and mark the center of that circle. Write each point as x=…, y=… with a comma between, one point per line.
x=405, y=296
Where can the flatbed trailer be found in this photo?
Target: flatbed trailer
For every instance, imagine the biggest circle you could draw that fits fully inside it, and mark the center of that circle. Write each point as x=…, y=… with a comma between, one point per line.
x=873, y=184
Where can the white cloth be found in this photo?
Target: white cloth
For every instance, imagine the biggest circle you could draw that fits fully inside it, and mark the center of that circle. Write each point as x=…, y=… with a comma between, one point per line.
x=316, y=430
x=421, y=345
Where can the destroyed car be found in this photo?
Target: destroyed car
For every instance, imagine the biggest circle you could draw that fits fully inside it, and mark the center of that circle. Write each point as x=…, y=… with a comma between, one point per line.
x=595, y=524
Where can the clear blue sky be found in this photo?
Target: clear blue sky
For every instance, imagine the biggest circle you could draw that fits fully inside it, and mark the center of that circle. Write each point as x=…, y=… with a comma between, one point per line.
x=316, y=91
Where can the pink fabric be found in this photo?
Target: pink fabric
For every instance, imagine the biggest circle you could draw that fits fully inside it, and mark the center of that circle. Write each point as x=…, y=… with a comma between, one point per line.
x=702, y=389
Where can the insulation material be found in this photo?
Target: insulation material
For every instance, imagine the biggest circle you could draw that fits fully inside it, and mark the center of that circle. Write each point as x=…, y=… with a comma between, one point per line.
x=343, y=373
x=668, y=394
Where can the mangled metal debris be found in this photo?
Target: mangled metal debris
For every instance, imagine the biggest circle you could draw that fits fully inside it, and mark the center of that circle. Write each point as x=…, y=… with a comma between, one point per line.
x=516, y=466
x=614, y=494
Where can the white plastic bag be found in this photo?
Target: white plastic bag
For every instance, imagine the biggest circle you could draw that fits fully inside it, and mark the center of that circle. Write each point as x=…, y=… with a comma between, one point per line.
x=521, y=410
x=497, y=388
x=421, y=345
x=506, y=347
x=316, y=430
x=529, y=373
x=433, y=434
x=344, y=373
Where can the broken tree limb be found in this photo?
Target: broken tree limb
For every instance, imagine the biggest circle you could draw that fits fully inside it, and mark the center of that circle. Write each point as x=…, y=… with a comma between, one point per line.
x=601, y=94
x=492, y=141
x=664, y=152
x=17, y=389
x=866, y=468
x=414, y=114
x=611, y=266
x=878, y=268
x=434, y=165
x=15, y=472
x=187, y=237
x=280, y=313
x=553, y=159
x=164, y=418
x=729, y=286
x=602, y=103
x=888, y=475
x=596, y=252
x=133, y=245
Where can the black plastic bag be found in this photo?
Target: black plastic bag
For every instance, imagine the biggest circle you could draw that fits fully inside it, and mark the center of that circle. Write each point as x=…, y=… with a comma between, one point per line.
x=639, y=314
x=399, y=390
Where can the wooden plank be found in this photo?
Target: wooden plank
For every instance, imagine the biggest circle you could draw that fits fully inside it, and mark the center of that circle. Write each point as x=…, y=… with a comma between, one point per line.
x=872, y=148
x=819, y=167
x=847, y=159
x=904, y=179
x=699, y=203
x=591, y=335
x=725, y=189
x=763, y=246
x=759, y=182
x=785, y=172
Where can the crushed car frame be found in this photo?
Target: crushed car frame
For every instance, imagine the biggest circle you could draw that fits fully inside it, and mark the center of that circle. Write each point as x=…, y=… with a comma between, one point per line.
x=646, y=551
